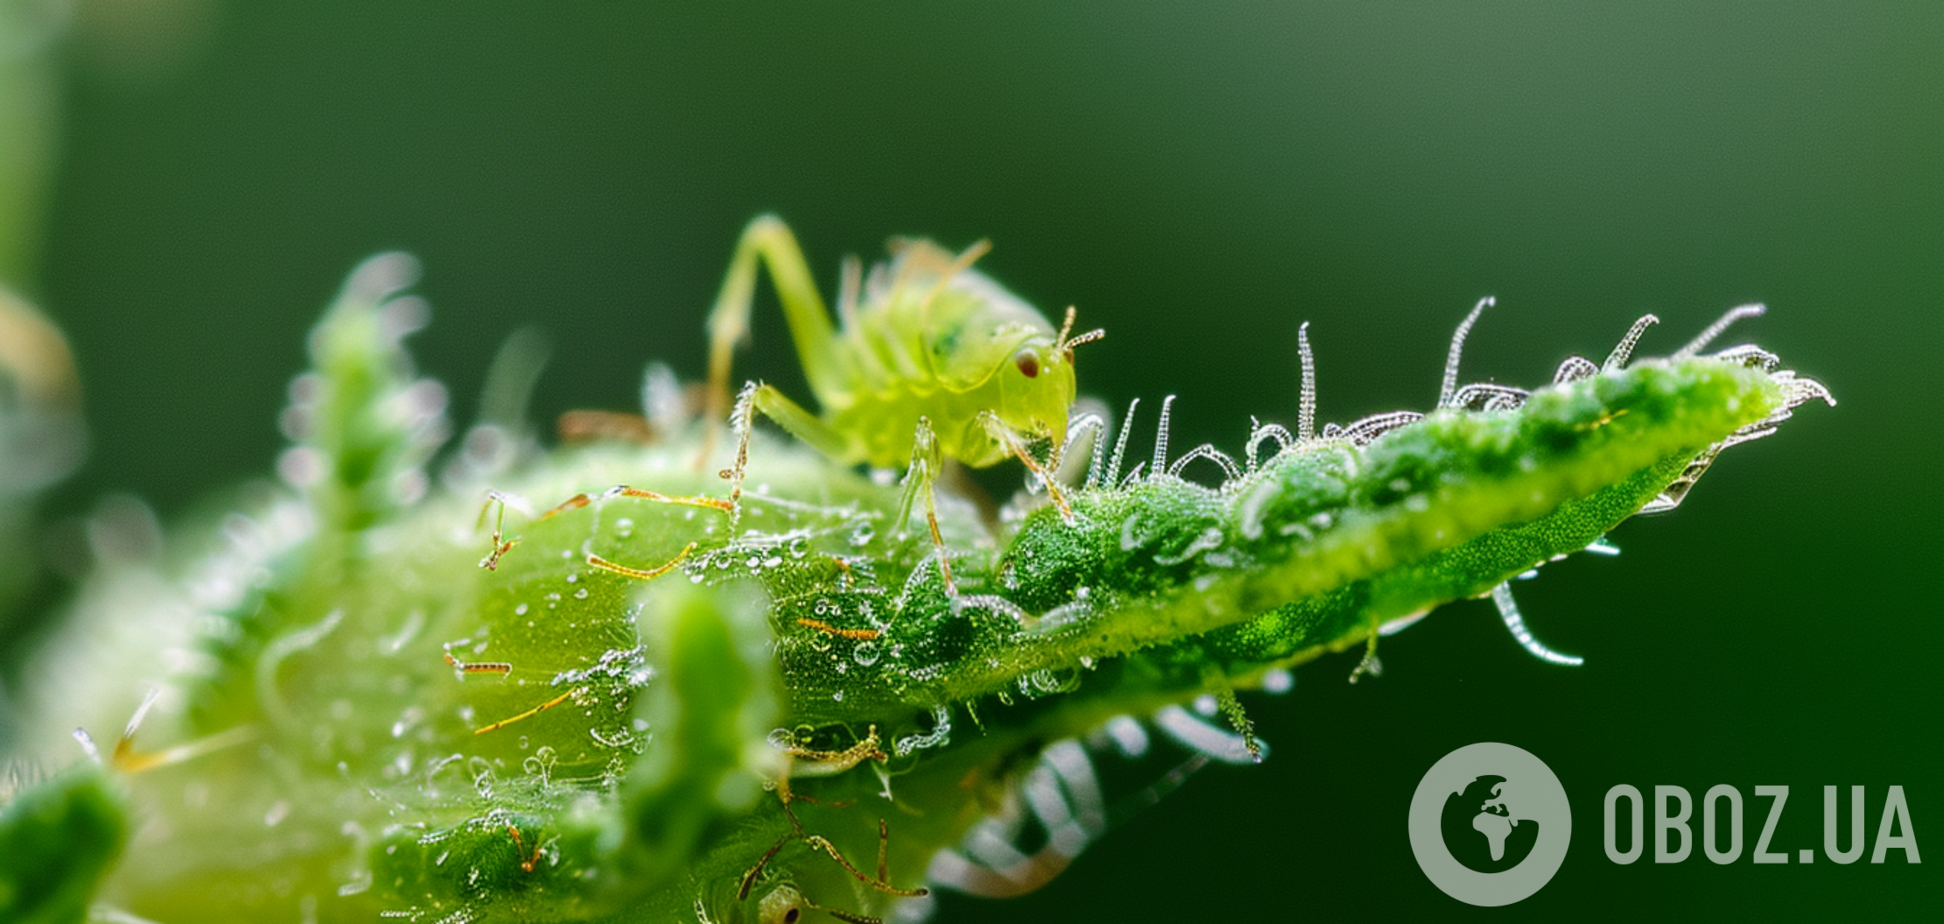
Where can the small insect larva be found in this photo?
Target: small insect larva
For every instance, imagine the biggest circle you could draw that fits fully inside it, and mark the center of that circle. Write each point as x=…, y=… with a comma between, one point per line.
x=479, y=667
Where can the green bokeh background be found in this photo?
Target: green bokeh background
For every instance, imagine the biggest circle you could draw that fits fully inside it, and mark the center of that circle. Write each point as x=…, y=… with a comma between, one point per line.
x=1198, y=181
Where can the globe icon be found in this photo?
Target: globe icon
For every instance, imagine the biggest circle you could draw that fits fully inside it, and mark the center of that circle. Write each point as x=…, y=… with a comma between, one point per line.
x=1483, y=827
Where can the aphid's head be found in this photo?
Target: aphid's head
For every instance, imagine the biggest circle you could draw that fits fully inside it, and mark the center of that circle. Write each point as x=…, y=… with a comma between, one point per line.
x=1036, y=383
x=981, y=340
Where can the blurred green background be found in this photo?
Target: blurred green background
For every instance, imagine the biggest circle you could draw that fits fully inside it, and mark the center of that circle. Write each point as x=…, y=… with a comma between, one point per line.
x=1198, y=181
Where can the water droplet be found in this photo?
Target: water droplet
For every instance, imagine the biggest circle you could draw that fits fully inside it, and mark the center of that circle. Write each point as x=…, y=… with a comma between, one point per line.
x=624, y=527
x=573, y=578
x=865, y=654
x=520, y=610
x=837, y=696
x=580, y=594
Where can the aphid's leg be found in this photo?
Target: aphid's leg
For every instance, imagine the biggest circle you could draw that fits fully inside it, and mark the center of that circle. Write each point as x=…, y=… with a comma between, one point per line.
x=770, y=240
x=1509, y=611
x=530, y=713
x=1014, y=443
x=926, y=458
x=758, y=397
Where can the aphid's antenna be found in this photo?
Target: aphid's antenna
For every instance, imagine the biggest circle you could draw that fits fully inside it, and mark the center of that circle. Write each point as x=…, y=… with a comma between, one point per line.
x=1306, y=400
x=1623, y=350
x=1161, y=439
x=1063, y=344
x=1714, y=330
x=1502, y=595
x=1120, y=443
x=1457, y=347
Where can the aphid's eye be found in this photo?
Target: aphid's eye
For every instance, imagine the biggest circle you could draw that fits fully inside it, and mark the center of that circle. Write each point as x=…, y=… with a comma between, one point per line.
x=1028, y=363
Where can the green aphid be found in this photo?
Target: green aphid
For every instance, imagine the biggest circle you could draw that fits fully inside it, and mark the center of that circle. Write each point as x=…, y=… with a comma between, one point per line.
x=934, y=361
x=798, y=716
